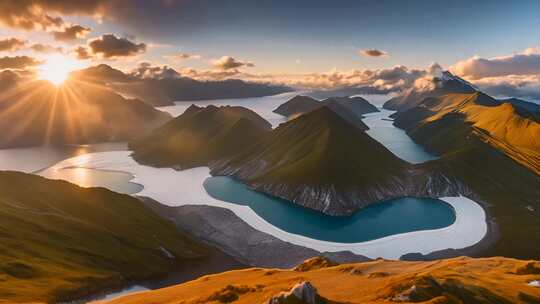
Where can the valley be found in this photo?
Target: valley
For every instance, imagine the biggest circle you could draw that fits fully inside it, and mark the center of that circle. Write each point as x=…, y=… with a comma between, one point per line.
x=269, y=152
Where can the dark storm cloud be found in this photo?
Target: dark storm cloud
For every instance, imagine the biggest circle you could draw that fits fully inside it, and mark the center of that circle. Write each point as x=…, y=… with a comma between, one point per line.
x=11, y=44
x=110, y=46
x=18, y=62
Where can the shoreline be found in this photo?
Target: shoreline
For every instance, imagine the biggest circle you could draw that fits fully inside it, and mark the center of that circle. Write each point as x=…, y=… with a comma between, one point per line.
x=476, y=250
x=184, y=271
x=161, y=184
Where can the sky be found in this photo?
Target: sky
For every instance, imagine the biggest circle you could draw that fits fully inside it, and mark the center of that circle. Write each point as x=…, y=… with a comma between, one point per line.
x=284, y=40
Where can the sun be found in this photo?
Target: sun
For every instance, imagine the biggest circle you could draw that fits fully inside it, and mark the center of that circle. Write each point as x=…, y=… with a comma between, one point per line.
x=56, y=68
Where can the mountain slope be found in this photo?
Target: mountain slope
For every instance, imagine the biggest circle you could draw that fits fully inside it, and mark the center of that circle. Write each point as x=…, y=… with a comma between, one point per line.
x=59, y=241
x=318, y=160
x=297, y=105
x=459, y=280
x=37, y=113
x=356, y=105
x=199, y=136
x=494, y=150
x=442, y=85
x=512, y=130
x=528, y=106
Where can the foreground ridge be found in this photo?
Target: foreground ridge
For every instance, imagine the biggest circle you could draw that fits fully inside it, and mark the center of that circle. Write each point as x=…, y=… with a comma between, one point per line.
x=458, y=280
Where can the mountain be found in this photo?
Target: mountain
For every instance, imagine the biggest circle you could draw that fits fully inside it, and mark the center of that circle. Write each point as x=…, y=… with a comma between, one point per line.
x=318, y=160
x=459, y=280
x=493, y=149
x=446, y=83
x=60, y=241
x=531, y=107
x=164, y=91
x=199, y=136
x=349, y=108
x=297, y=105
x=37, y=113
x=358, y=105
x=303, y=104
x=507, y=127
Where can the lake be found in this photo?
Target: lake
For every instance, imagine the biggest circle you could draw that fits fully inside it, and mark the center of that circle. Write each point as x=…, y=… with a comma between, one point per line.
x=35, y=159
x=382, y=129
x=376, y=221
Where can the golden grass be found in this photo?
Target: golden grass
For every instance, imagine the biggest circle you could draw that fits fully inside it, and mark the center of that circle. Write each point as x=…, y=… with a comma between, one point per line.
x=380, y=281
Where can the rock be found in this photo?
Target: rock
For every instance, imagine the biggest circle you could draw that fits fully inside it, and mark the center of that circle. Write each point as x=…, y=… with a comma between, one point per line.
x=301, y=293
x=528, y=268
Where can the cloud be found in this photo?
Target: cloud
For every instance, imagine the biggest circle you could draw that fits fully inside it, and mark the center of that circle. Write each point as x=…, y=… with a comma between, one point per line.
x=207, y=74
x=12, y=44
x=109, y=46
x=18, y=62
x=182, y=57
x=524, y=63
x=382, y=81
x=72, y=32
x=229, y=63
x=45, y=48
x=81, y=52
x=373, y=53
x=145, y=70
x=44, y=14
x=523, y=86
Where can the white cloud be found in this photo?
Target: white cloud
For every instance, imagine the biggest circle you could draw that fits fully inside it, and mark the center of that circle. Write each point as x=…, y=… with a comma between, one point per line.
x=524, y=63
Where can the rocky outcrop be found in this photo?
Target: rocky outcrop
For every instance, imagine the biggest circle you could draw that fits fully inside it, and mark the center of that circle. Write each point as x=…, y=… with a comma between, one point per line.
x=301, y=293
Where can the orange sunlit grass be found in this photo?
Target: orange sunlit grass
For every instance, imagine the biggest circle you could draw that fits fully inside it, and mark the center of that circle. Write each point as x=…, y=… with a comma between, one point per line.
x=57, y=68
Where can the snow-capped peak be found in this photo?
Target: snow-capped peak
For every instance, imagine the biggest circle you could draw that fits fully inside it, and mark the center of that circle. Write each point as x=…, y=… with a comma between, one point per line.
x=447, y=76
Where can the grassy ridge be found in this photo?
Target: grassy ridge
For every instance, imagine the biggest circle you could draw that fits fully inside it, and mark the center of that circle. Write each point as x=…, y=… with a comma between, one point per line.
x=200, y=135
x=493, y=150
x=459, y=280
x=59, y=241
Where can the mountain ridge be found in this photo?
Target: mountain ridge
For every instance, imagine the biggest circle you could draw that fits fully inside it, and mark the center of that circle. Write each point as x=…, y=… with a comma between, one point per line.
x=318, y=280
x=199, y=136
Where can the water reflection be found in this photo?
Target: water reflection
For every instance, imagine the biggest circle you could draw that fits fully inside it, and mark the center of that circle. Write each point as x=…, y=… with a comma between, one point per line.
x=85, y=177
x=35, y=159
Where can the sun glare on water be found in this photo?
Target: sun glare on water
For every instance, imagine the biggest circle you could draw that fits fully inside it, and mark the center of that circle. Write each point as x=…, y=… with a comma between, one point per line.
x=56, y=68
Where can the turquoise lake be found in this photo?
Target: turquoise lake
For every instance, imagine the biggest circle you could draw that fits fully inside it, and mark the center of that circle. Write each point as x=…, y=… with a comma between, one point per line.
x=377, y=221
